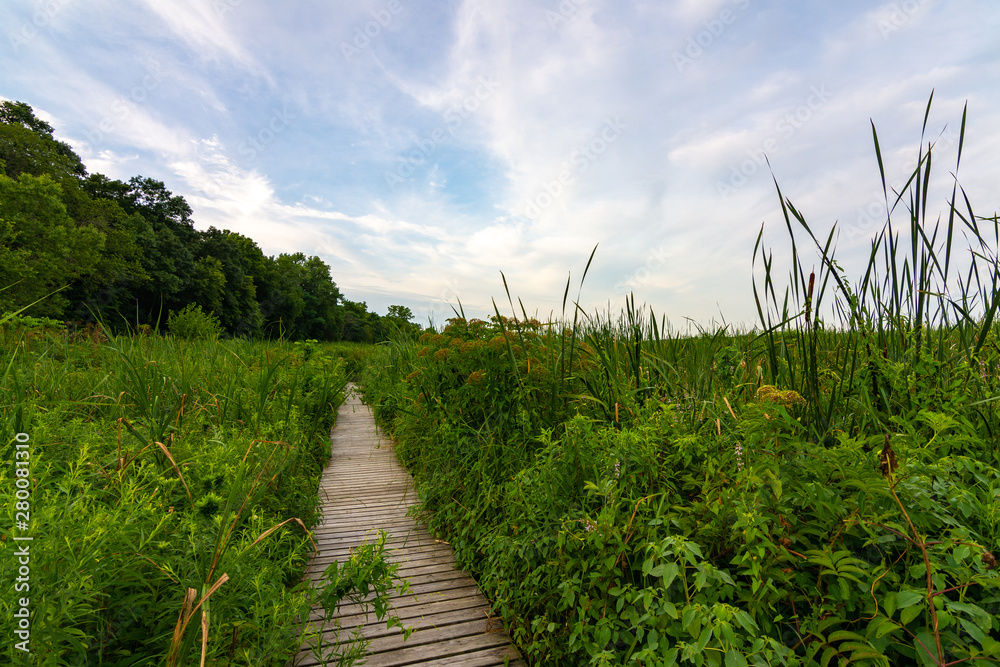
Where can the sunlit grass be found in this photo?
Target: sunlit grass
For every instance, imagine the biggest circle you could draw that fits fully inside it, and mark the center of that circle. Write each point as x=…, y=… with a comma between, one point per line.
x=172, y=487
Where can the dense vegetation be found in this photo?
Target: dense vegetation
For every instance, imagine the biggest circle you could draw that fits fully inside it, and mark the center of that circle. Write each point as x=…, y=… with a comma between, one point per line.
x=822, y=490
x=171, y=488
x=130, y=251
x=165, y=483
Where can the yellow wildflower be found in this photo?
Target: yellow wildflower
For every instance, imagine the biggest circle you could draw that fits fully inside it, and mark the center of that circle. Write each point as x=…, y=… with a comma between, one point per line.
x=786, y=397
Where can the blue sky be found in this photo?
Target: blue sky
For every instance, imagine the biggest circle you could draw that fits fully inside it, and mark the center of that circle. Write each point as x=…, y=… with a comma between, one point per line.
x=420, y=148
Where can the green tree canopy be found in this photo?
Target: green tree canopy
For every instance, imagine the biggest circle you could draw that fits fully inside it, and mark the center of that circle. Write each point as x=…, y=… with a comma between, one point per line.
x=24, y=150
x=43, y=248
x=130, y=248
x=239, y=262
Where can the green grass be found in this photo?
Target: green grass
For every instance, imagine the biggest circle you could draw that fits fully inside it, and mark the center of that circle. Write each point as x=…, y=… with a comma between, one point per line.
x=172, y=485
x=822, y=490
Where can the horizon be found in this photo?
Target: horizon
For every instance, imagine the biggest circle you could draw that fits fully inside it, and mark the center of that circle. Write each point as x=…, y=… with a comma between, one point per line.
x=420, y=149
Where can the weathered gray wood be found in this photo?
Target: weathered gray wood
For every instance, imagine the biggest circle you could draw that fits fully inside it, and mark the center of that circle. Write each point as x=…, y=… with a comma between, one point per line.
x=365, y=490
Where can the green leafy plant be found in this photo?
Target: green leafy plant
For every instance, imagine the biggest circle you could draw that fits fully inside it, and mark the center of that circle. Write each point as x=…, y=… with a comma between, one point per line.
x=172, y=489
x=818, y=491
x=193, y=324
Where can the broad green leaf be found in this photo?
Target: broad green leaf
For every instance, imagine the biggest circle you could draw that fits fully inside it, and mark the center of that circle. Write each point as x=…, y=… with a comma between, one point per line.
x=906, y=599
x=974, y=631
x=925, y=647
x=669, y=574
x=735, y=659
x=869, y=654
x=909, y=614
x=980, y=616
x=890, y=604
x=703, y=640
x=886, y=628
x=745, y=620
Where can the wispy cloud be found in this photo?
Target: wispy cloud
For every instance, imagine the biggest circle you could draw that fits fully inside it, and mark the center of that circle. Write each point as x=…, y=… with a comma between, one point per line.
x=413, y=178
x=205, y=28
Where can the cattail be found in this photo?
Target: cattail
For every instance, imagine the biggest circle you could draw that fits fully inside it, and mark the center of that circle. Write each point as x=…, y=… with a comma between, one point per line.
x=809, y=295
x=887, y=459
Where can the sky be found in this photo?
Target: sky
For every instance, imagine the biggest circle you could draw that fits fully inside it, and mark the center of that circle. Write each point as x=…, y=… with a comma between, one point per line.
x=423, y=147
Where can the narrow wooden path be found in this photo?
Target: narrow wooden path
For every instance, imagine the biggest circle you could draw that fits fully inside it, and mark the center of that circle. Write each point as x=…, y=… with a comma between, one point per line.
x=364, y=490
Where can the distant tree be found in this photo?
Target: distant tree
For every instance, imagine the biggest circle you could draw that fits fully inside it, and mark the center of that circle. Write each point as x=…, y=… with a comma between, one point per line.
x=321, y=319
x=100, y=186
x=357, y=325
x=362, y=326
x=280, y=296
x=399, y=319
x=400, y=313
x=20, y=113
x=42, y=248
x=109, y=289
x=27, y=146
x=157, y=204
x=300, y=299
x=242, y=263
x=207, y=286
x=170, y=247
x=131, y=247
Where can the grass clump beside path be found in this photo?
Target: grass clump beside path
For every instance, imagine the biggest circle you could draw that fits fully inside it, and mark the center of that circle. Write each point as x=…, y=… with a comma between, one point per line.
x=821, y=491
x=170, y=486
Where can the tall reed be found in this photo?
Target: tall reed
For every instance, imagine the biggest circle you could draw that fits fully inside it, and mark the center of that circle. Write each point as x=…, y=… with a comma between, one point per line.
x=916, y=305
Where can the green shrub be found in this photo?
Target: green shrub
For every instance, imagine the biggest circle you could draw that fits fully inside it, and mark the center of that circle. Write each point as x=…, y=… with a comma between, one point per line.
x=194, y=324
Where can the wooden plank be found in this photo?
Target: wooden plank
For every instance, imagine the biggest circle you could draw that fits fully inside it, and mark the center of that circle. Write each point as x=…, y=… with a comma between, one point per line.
x=353, y=615
x=491, y=657
x=364, y=490
x=449, y=642
x=425, y=620
x=410, y=604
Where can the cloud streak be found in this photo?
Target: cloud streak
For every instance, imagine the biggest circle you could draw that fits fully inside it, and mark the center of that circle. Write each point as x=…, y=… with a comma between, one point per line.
x=420, y=148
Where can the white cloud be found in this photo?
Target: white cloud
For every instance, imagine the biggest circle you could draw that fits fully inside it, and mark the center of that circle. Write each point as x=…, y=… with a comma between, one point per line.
x=205, y=29
x=460, y=216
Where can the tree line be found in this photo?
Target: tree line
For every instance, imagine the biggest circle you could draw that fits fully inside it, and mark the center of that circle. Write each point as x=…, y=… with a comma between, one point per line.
x=76, y=245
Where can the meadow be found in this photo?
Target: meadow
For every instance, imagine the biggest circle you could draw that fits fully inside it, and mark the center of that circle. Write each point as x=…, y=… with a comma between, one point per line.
x=167, y=487
x=821, y=490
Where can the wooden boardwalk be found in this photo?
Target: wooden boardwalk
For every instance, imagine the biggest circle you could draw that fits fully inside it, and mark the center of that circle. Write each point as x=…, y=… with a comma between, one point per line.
x=364, y=490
